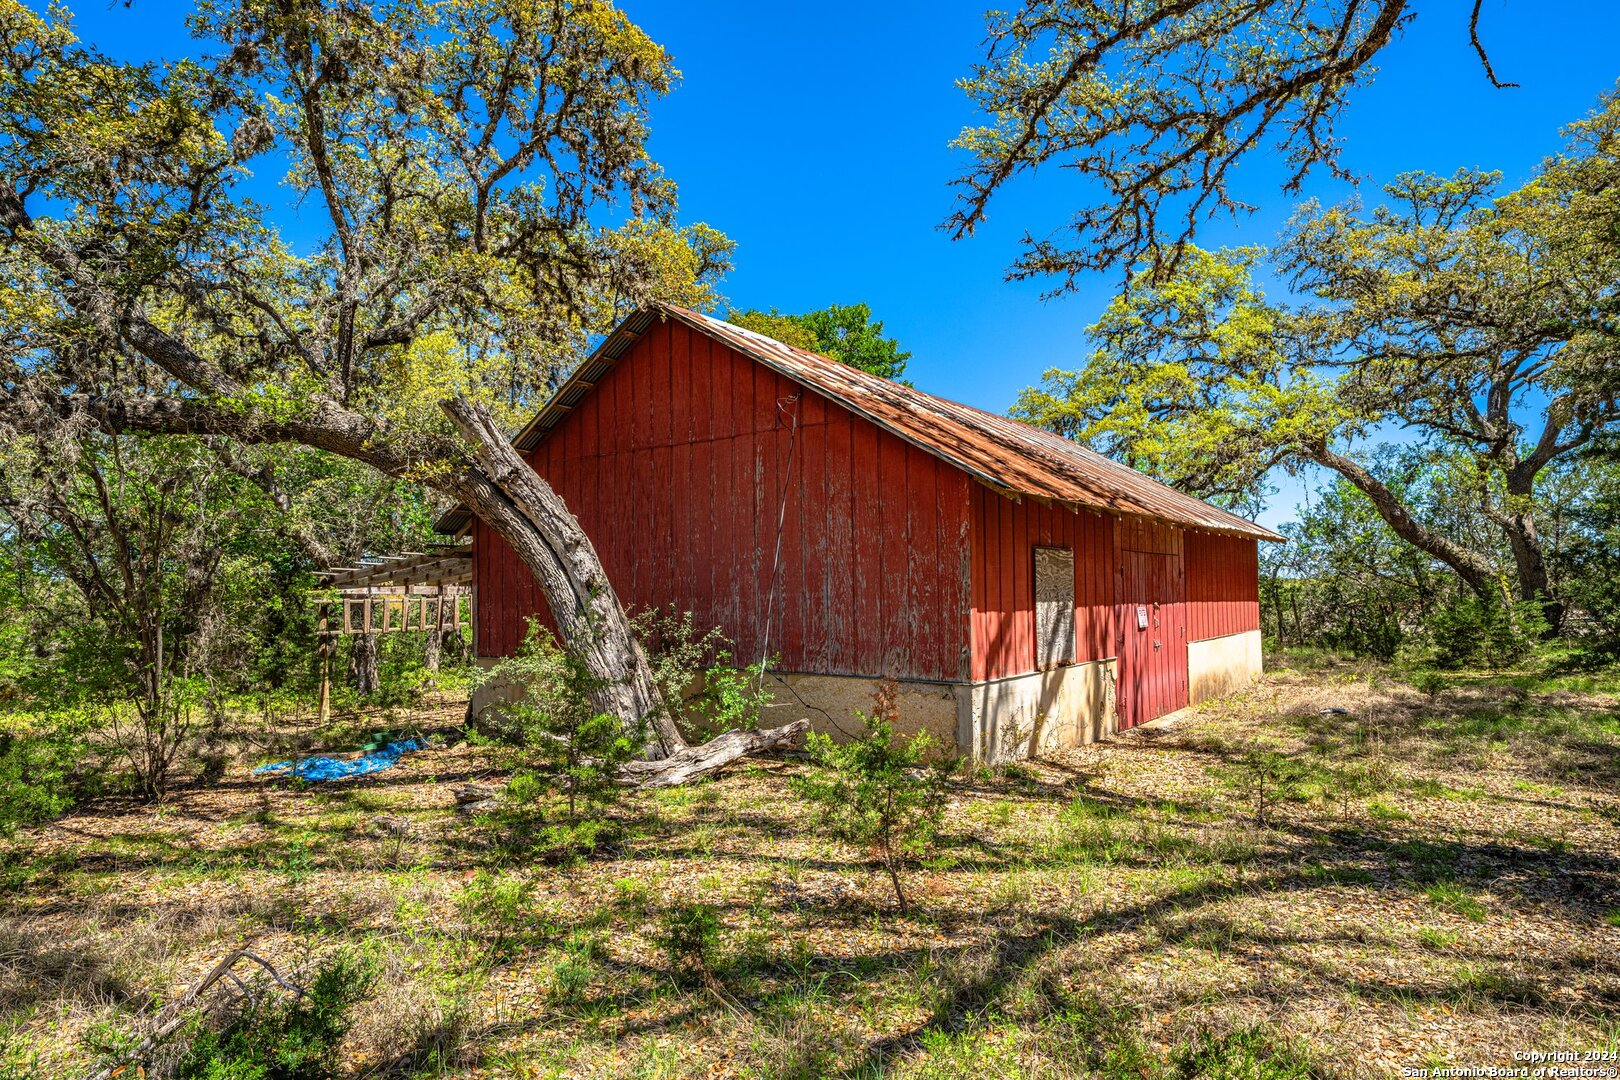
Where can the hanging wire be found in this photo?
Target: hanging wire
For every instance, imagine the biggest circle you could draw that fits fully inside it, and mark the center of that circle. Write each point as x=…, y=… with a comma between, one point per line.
x=781, y=519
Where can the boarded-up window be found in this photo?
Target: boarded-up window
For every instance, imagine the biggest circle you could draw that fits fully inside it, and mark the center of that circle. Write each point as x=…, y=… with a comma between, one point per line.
x=1054, y=607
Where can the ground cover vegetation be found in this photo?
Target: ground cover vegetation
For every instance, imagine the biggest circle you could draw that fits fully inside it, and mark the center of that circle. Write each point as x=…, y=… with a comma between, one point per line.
x=1334, y=873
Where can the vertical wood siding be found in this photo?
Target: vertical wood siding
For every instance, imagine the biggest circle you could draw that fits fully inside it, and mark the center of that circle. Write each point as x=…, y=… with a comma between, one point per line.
x=1005, y=536
x=1223, y=585
x=676, y=465
x=1119, y=563
x=1152, y=675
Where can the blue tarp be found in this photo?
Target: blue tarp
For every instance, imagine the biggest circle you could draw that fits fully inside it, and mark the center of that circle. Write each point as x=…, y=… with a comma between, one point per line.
x=329, y=768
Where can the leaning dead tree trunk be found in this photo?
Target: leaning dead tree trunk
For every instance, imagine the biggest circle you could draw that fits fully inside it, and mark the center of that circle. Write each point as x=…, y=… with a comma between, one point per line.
x=511, y=498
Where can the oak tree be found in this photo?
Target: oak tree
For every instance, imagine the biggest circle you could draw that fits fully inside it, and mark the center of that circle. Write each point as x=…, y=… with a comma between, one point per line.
x=477, y=178
x=845, y=332
x=1156, y=103
x=1481, y=324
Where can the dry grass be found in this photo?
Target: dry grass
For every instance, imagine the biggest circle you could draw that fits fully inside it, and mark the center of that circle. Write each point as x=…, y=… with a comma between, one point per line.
x=1436, y=883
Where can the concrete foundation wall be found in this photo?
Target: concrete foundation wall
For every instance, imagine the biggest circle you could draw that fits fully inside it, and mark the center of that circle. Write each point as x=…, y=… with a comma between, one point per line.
x=488, y=692
x=995, y=721
x=990, y=722
x=1218, y=666
x=1024, y=716
x=830, y=702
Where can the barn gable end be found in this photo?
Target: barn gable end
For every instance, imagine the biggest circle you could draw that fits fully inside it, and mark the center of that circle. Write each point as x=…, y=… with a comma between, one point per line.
x=677, y=465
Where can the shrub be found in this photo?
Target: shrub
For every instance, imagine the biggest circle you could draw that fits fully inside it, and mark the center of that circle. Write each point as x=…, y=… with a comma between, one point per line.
x=559, y=732
x=31, y=788
x=501, y=910
x=1266, y=777
x=876, y=790
x=1431, y=684
x=40, y=774
x=690, y=936
x=1487, y=632
x=697, y=675
x=285, y=1038
x=151, y=732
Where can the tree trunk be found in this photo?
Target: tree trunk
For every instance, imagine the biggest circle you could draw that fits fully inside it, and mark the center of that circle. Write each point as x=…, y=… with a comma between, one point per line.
x=694, y=761
x=453, y=644
x=432, y=648
x=1474, y=569
x=363, y=664
x=1518, y=524
x=511, y=498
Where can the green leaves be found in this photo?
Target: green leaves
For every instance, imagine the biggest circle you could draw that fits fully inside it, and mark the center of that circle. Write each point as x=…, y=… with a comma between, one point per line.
x=558, y=731
x=1193, y=380
x=846, y=333
x=475, y=201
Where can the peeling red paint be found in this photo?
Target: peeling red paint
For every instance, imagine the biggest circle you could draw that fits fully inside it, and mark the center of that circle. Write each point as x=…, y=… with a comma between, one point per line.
x=896, y=558
x=862, y=587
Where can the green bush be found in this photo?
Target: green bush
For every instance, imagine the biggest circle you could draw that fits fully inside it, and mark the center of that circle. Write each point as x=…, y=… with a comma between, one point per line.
x=559, y=735
x=31, y=789
x=697, y=675
x=690, y=936
x=1431, y=684
x=1488, y=632
x=285, y=1037
x=878, y=790
x=500, y=910
x=41, y=772
x=1267, y=777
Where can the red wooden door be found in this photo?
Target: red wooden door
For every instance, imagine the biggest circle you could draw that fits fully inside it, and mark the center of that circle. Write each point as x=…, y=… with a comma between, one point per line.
x=1152, y=679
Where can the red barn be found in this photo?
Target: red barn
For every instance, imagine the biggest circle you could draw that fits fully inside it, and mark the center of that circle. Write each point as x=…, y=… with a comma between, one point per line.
x=1026, y=592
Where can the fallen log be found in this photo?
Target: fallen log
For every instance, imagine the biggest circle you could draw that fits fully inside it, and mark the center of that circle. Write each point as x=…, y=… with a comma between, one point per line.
x=717, y=753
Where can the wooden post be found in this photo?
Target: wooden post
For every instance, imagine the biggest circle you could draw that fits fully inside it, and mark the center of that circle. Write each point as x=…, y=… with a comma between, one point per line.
x=323, y=654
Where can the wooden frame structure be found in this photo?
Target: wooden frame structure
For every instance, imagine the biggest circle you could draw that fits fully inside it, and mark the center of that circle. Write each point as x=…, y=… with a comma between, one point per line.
x=428, y=590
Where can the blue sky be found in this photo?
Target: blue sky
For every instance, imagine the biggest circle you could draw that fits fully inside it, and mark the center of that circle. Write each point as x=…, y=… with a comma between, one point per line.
x=816, y=136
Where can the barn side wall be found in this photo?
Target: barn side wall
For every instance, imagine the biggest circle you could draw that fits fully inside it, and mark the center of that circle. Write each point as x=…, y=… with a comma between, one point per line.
x=1200, y=592
x=677, y=464
x=1223, y=601
x=1005, y=534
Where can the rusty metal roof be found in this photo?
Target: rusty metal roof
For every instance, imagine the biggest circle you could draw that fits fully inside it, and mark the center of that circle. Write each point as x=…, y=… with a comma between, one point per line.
x=1007, y=455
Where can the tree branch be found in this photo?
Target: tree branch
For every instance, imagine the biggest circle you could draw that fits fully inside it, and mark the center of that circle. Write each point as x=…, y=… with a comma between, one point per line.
x=1479, y=48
